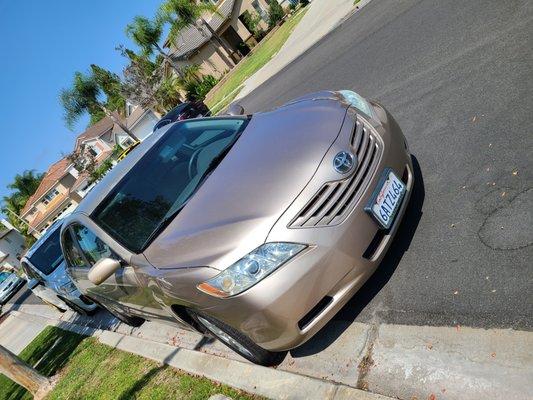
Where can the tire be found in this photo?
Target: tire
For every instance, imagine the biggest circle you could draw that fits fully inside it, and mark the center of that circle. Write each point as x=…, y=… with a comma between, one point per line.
x=127, y=319
x=237, y=341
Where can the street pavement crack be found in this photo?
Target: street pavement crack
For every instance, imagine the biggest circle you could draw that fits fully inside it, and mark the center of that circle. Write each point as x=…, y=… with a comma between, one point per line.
x=367, y=361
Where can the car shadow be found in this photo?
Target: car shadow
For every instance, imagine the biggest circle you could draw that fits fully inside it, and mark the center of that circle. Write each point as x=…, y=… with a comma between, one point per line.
x=345, y=317
x=25, y=293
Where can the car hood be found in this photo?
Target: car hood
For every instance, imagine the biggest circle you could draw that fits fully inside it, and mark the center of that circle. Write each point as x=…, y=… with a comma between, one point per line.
x=234, y=210
x=58, y=277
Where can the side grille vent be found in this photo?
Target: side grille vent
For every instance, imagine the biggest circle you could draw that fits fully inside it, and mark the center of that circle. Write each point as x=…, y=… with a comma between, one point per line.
x=334, y=200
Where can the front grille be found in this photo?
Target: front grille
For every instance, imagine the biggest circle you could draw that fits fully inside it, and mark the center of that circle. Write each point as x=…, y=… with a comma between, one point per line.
x=332, y=203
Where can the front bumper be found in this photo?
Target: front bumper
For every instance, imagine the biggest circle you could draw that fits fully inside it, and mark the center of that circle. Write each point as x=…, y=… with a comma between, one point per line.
x=297, y=300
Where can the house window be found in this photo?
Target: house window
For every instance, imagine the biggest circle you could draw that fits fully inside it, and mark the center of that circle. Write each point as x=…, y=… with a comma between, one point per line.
x=94, y=151
x=260, y=10
x=50, y=196
x=127, y=143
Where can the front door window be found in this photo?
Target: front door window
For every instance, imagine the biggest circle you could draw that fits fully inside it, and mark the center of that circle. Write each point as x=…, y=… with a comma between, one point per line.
x=92, y=246
x=72, y=253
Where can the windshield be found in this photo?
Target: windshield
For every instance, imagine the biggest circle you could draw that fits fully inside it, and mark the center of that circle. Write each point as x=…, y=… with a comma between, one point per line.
x=162, y=181
x=4, y=276
x=48, y=256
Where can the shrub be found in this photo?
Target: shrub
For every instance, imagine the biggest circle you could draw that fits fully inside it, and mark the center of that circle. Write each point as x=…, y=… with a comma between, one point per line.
x=198, y=89
x=251, y=22
x=275, y=13
x=99, y=172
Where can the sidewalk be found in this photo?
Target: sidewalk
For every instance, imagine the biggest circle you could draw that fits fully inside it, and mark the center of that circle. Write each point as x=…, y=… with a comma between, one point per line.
x=393, y=360
x=268, y=382
x=321, y=18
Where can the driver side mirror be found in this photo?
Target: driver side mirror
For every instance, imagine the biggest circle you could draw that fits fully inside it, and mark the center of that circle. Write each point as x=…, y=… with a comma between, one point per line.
x=32, y=283
x=103, y=269
x=236, y=109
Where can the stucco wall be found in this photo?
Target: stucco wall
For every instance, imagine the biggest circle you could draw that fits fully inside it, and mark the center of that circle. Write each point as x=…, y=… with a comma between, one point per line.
x=144, y=127
x=12, y=244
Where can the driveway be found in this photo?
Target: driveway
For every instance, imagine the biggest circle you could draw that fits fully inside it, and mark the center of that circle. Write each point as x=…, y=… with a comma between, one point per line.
x=457, y=76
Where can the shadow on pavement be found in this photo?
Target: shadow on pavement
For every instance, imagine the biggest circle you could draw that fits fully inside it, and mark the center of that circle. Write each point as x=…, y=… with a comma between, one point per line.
x=344, y=318
x=20, y=296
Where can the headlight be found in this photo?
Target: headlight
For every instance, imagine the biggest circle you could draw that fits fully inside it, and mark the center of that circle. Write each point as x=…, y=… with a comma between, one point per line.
x=250, y=269
x=67, y=288
x=357, y=101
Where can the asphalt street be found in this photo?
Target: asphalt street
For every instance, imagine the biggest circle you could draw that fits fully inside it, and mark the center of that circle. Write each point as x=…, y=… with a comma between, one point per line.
x=458, y=78
x=457, y=75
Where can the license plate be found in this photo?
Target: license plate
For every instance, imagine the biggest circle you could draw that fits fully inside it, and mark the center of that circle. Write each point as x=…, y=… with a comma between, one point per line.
x=387, y=199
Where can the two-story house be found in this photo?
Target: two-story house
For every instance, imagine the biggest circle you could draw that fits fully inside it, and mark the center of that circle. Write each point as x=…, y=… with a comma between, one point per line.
x=63, y=187
x=53, y=198
x=12, y=246
x=198, y=47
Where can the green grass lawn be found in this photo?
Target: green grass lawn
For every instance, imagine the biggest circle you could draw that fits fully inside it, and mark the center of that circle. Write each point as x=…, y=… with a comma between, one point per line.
x=262, y=53
x=91, y=370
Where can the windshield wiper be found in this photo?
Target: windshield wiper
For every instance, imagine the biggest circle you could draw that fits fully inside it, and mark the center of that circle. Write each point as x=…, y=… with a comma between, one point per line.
x=213, y=164
x=163, y=224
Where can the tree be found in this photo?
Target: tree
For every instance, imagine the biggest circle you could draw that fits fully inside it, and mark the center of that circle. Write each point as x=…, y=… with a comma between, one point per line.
x=23, y=186
x=111, y=86
x=146, y=34
x=84, y=97
x=143, y=80
x=182, y=14
x=168, y=93
x=26, y=183
x=275, y=13
x=83, y=160
x=23, y=374
x=252, y=21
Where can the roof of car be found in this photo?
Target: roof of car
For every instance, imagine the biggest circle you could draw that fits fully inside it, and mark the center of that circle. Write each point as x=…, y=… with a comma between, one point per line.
x=175, y=111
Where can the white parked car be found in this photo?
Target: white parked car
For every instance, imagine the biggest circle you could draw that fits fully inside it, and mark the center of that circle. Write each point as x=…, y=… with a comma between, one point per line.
x=47, y=276
x=10, y=283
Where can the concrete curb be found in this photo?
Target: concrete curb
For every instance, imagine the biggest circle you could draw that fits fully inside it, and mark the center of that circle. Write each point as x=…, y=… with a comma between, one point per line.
x=400, y=361
x=269, y=382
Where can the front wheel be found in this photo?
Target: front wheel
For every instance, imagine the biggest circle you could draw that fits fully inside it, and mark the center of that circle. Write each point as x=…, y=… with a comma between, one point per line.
x=238, y=342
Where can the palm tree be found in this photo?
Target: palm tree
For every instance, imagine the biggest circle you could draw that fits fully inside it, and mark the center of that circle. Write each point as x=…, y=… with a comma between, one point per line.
x=26, y=184
x=84, y=97
x=111, y=84
x=147, y=34
x=182, y=14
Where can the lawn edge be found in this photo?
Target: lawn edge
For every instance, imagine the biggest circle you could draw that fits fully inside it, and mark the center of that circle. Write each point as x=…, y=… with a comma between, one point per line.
x=274, y=383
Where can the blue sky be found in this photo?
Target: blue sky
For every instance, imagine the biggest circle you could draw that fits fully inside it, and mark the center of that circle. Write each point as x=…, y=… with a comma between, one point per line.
x=43, y=43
